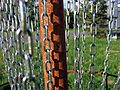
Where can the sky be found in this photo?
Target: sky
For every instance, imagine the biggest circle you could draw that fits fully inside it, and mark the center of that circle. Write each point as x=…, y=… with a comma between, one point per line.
x=64, y=3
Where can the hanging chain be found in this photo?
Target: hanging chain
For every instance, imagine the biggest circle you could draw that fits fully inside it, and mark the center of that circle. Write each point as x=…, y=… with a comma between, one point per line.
x=67, y=27
x=77, y=71
x=111, y=4
x=48, y=63
x=25, y=47
x=16, y=28
x=117, y=84
x=8, y=20
x=18, y=21
x=93, y=30
x=37, y=28
x=83, y=39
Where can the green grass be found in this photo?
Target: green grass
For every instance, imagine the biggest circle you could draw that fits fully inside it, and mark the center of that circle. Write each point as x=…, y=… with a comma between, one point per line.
x=114, y=62
x=3, y=76
x=101, y=44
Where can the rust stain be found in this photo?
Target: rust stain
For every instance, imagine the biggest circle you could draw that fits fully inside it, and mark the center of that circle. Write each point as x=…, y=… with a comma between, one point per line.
x=56, y=34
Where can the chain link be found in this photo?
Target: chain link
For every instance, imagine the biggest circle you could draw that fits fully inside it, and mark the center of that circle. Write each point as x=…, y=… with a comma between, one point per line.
x=83, y=38
x=77, y=48
x=19, y=22
x=78, y=56
x=48, y=63
x=7, y=40
x=16, y=29
x=37, y=28
x=68, y=10
x=117, y=84
x=111, y=4
x=93, y=30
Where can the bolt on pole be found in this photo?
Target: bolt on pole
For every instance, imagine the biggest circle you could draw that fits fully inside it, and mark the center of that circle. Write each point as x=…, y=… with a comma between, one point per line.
x=56, y=35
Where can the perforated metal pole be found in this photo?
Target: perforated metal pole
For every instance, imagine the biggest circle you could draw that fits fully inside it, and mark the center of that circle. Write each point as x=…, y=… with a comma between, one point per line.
x=56, y=36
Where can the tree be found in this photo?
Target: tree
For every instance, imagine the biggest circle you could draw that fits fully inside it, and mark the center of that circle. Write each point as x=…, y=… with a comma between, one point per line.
x=101, y=16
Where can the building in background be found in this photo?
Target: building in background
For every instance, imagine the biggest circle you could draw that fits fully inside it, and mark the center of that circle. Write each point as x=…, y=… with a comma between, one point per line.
x=116, y=19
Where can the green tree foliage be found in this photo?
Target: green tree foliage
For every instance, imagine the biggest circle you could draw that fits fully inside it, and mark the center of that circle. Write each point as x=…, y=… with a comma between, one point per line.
x=102, y=14
x=101, y=17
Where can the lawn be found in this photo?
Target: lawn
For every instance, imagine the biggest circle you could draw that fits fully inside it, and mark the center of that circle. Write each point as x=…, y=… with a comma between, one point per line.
x=114, y=62
x=3, y=76
x=101, y=44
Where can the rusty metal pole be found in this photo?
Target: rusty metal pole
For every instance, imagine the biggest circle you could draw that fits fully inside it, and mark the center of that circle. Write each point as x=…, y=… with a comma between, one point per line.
x=56, y=34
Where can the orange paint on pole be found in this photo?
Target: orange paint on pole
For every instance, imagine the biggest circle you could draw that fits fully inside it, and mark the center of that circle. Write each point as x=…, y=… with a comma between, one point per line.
x=56, y=34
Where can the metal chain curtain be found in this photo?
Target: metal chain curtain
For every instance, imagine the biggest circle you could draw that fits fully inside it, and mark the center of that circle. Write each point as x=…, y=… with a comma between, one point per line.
x=19, y=27
x=19, y=22
x=80, y=24
x=79, y=59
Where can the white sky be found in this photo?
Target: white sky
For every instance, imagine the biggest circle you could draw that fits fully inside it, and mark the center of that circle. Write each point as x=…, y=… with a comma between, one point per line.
x=118, y=5
x=64, y=3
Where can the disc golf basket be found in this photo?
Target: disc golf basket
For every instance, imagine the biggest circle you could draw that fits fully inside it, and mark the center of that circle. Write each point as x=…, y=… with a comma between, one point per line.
x=39, y=53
